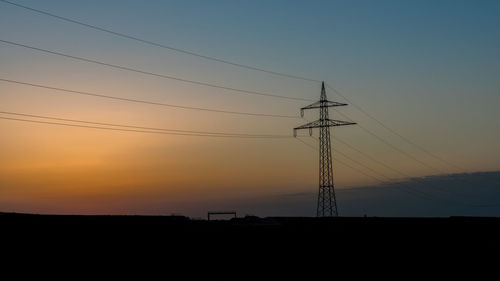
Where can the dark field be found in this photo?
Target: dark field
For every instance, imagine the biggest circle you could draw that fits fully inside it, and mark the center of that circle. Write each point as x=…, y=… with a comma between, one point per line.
x=342, y=233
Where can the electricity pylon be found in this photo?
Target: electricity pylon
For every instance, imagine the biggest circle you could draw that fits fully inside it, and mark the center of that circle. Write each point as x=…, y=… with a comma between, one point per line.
x=327, y=203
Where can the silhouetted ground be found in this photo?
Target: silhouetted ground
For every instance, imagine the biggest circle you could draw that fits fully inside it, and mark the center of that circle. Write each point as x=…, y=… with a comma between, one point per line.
x=400, y=234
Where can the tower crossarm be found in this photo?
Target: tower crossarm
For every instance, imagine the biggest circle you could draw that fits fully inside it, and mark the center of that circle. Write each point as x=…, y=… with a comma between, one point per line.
x=319, y=104
x=333, y=123
x=321, y=124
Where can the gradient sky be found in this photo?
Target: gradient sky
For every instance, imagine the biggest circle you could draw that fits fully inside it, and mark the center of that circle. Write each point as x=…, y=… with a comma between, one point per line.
x=430, y=70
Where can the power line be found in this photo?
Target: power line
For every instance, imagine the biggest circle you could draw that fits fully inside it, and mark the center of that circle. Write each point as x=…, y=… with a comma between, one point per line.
x=390, y=145
x=236, y=90
x=375, y=160
x=415, y=179
x=402, y=152
x=145, y=101
x=221, y=135
x=394, y=132
x=370, y=157
x=345, y=116
x=378, y=161
x=123, y=35
x=170, y=132
x=156, y=131
x=375, y=172
x=347, y=165
x=348, y=158
x=137, y=129
x=307, y=144
x=343, y=163
x=399, y=172
x=409, y=156
x=360, y=164
x=408, y=190
x=393, y=146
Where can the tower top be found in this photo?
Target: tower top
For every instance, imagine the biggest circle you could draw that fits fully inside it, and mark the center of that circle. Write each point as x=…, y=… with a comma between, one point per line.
x=323, y=91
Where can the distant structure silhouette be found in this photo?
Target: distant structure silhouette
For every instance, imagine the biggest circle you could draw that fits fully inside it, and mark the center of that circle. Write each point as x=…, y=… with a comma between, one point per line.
x=211, y=214
x=327, y=202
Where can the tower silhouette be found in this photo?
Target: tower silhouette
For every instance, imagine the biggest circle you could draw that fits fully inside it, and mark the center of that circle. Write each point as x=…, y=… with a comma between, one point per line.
x=327, y=202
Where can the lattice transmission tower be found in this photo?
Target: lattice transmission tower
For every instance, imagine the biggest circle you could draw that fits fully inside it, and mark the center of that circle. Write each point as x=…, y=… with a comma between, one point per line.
x=327, y=203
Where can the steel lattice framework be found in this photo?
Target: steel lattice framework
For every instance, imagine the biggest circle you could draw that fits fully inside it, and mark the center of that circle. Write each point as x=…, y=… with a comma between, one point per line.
x=327, y=203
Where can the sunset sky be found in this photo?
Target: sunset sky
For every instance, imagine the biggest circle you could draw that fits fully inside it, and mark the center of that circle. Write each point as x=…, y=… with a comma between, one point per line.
x=429, y=70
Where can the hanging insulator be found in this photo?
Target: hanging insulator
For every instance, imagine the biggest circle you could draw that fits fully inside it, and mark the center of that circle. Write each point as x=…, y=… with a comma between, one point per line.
x=294, y=133
x=301, y=113
x=310, y=132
